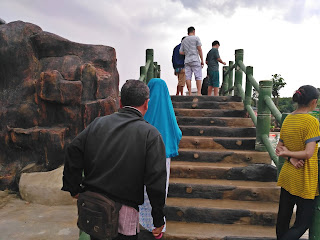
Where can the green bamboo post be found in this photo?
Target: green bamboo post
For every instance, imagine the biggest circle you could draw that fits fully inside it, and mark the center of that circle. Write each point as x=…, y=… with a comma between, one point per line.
x=155, y=64
x=150, y=72
x=225, y=81
x=314, y=231
x=263, y=118
x=281, y=159
x=158, y=71
x=248, y=93
x=238, y=72
x=143, y=74
x=230, y=77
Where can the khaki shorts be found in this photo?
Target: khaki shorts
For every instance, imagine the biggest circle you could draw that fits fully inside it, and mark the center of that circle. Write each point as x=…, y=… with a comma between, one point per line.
x=182, y=78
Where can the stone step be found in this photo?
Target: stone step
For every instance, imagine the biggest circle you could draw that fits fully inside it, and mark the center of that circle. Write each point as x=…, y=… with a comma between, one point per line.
x=225, y=156
x=221, y=211
x=236, y=143
x=209, y=105
x=215, y=121
x=218, y=131
x=182, y=112
x=205, y=170
x=205, y=99
x=224, y=189
x=209, y=231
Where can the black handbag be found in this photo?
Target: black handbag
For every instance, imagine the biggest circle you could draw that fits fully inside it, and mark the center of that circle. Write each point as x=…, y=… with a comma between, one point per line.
x=98, y=215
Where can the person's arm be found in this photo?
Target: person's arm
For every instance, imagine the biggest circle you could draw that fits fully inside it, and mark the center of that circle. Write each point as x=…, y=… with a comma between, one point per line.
x=181, y=50
x=155, y=180
x=172, y=59
x=305, y=154
x=220, y=61
x=297, y=163
x=74, y=164
x=200, y=54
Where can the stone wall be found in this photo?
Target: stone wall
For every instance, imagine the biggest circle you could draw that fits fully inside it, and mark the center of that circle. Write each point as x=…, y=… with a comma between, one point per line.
x=50, y=90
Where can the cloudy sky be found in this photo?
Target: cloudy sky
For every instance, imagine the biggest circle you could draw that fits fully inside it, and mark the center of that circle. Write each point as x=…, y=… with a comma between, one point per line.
x=278, y=36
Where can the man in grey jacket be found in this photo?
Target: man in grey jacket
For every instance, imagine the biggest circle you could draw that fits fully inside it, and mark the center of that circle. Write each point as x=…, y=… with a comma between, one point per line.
x=119, y=154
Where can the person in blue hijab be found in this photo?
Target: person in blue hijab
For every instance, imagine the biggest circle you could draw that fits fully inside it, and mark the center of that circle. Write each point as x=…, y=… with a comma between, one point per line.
x=161, y=115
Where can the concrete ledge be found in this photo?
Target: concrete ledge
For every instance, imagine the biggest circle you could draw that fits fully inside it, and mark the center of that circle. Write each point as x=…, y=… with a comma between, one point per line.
x=44, y=188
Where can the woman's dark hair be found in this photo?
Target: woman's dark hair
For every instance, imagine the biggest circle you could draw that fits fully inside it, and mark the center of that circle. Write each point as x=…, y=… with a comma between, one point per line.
x=305, y=94
x=134, y=93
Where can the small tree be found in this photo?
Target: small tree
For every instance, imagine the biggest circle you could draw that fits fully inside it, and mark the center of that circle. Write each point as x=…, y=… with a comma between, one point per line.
x=255, y=96
x=277, y=83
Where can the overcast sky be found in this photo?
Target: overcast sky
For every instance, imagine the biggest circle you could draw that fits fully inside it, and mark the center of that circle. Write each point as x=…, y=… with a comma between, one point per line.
x=278, y=36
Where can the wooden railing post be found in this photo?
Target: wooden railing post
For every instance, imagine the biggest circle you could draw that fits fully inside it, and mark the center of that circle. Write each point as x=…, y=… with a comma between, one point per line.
x=248, y=93
x=230, y=78
x=263, y=118
x=225, y=81
x=149, y=57
x=238, y=72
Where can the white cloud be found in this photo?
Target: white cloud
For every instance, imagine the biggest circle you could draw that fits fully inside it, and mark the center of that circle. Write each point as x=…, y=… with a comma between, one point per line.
x=277, y=36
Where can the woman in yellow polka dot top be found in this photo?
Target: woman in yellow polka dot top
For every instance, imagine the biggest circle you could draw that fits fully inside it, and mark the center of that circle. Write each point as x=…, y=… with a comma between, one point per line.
x=298, y=178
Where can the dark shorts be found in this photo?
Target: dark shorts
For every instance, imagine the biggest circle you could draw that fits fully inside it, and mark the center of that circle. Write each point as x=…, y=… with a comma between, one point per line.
x=213, y=78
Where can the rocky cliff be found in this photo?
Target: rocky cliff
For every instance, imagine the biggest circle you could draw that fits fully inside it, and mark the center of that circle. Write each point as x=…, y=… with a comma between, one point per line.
x=50, y=90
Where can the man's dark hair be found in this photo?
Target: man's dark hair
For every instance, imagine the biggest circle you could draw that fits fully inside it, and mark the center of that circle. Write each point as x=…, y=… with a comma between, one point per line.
x=134, y=93
x=215, y=43
x=191, y=29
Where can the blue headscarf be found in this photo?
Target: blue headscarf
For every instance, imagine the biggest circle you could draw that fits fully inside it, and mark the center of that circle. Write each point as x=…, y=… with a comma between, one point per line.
x=160, y=114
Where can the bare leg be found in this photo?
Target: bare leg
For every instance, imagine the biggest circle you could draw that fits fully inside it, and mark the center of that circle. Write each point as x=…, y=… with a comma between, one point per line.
x=177, y=93
x=210, y=90
x=181, y=90
x=199, y=82
x=188, y=82
x=216, y=91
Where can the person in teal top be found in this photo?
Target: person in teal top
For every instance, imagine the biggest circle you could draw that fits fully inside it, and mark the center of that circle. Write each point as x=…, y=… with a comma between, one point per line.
x=161, y=115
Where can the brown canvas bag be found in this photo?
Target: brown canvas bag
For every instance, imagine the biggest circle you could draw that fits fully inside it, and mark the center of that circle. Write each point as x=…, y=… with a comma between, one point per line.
x=98, y=215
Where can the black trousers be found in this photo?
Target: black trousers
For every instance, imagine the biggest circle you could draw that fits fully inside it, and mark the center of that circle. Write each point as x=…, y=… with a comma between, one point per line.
x=304, y=214
x=121, y=237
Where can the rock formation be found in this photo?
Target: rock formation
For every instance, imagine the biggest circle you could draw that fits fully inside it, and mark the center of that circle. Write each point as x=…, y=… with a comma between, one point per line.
x=50, y=90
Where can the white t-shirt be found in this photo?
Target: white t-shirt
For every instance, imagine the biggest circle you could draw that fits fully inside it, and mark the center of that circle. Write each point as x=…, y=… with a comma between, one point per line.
x=189, y=47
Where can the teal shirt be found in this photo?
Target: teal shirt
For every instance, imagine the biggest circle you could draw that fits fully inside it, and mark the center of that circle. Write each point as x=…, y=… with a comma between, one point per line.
x=212, y=59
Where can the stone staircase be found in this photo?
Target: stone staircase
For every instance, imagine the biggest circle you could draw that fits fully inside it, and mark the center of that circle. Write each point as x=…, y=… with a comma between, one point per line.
x=220, y=187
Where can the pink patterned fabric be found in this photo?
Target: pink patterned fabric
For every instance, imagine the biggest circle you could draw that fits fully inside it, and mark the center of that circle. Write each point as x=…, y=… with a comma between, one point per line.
x=128, y=221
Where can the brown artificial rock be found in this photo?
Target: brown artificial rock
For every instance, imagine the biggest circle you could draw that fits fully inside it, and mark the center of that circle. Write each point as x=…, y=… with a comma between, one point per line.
x=50, y=90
